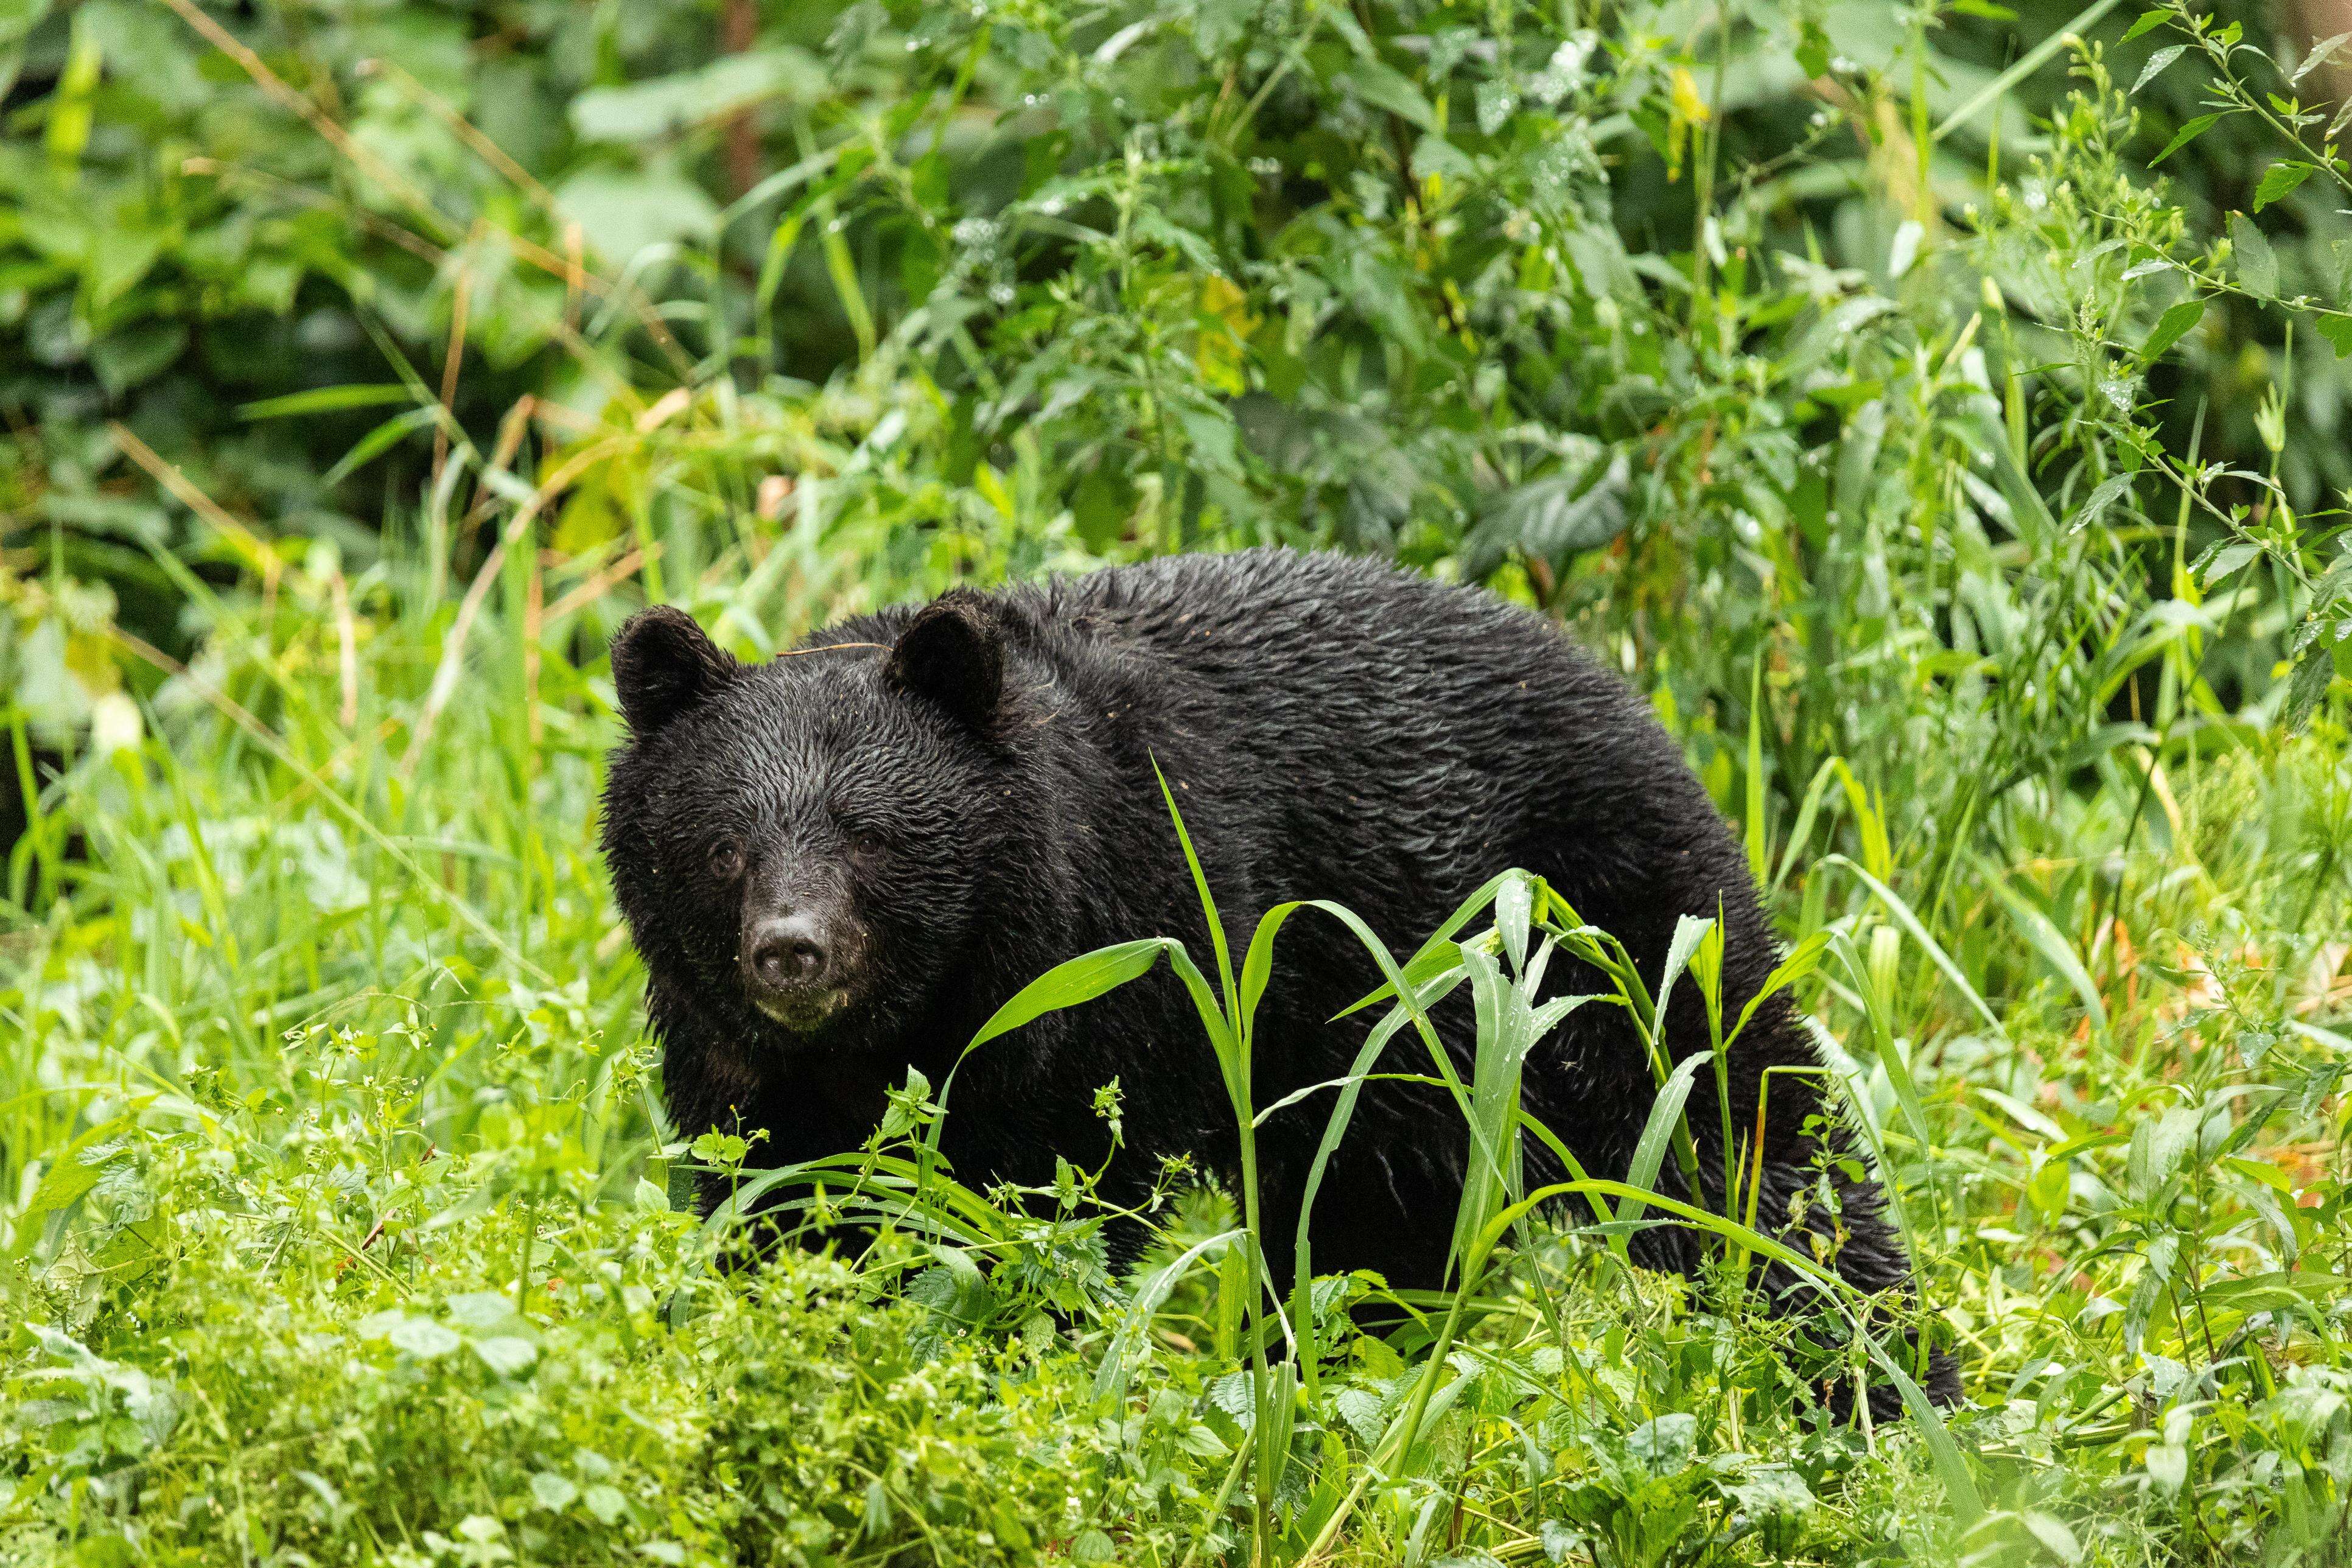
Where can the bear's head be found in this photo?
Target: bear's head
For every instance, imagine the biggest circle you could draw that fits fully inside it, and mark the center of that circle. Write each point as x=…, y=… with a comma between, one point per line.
x=794, y=844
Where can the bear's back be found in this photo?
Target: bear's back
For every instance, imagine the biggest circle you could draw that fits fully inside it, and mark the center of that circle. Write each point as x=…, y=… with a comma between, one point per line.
x=1351, y=731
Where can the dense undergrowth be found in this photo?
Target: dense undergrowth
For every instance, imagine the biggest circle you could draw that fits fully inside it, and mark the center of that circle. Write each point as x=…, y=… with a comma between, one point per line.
x=1965, y=495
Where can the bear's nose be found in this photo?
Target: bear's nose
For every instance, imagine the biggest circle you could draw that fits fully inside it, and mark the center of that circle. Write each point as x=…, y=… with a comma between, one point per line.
x=787, y=950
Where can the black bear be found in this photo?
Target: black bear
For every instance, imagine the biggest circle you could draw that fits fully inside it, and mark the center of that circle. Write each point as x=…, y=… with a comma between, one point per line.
x=838, y=865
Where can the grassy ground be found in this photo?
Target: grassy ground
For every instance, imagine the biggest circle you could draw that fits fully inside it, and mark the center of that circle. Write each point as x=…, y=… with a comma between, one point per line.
x=338, y=1217
x=341, y=1221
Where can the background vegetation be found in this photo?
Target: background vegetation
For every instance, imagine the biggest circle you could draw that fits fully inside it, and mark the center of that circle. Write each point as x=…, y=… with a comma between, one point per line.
x=1938, y=410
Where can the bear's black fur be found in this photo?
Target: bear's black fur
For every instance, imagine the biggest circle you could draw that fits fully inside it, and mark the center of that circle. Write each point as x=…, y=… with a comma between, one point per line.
x=838, y=863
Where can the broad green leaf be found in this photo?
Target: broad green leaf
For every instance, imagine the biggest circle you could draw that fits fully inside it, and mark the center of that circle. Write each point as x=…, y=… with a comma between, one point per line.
x=1385, y=88
x=1071, y=983
x=624, y=213
x=2257, y=263
x=2315, y=671
x=509, y=1355
x=2280, y=179
x=643, y=109
x=2184, y=136
x=2172, y=326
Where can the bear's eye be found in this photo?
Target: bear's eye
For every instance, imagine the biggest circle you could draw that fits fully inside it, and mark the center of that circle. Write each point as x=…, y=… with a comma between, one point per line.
x=727, y=861
x=865, y=843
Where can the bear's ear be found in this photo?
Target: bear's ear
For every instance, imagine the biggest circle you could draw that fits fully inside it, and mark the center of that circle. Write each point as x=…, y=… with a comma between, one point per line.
x=663, y=665
x=953, y=653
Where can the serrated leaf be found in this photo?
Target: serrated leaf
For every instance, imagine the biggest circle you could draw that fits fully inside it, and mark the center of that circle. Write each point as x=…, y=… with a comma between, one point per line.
x=2148, y=22
x=2227, y=560
x=2156, y=62
x=1360, y=1409
x=2308, y=685
x=2100, y=499
x=2257, y=263
x=2279, y=180
x=2172, y=326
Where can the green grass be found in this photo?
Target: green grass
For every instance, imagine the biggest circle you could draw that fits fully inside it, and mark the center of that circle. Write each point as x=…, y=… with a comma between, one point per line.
x=339, y=1217
x=338, y=1220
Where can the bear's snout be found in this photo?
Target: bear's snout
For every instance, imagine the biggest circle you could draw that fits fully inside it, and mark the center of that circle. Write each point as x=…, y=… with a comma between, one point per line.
x=799, y=962
x=788, y=951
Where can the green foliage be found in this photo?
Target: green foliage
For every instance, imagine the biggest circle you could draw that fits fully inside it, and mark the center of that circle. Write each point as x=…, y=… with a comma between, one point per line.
x=1947, y=437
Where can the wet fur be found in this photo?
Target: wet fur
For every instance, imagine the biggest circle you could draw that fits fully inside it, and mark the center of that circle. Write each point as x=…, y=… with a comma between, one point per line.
x=1333, y=728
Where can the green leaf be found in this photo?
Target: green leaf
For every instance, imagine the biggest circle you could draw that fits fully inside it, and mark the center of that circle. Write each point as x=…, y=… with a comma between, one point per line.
x=2051, y=944
x=662, y=105
x=1689, y=932
x=1802, y=960
x=2318, y=55
x=1909, y=920
x=137, y=353
x=624, y=213
x=2184, y=136
x=2172, y=326
x=2110, y=491
x=2156, y=62
x=1119, y=1361
x=509, y=1355
x=1552, y=516
x=1650, y=1151
x=18, y=18
x=1951, y=1469
x=2336, y=328
x=66, y=1179
x=1071, y=983
x=2278, y=180
x=2148, y=22
x=379, y=440
x=2308, y=686
x=423, y=1338
x=325, y=400
x=1386, y=88
x=2257, y=263
x=1812, y=48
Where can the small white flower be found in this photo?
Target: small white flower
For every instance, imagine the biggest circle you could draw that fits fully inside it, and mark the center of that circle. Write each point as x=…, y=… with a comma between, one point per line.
x=115, y=724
